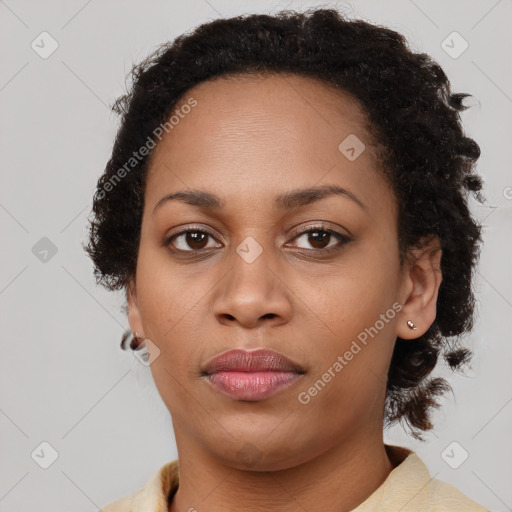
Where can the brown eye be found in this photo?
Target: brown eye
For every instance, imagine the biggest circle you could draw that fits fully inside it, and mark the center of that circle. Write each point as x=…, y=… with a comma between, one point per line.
x=320, y=239
x=190, y=240
x=196, y=239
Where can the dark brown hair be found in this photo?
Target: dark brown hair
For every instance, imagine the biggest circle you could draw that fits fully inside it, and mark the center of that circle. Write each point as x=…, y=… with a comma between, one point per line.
x=414, y=118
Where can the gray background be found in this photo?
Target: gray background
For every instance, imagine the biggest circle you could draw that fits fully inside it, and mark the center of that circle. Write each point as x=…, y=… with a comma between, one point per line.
x=63, y=377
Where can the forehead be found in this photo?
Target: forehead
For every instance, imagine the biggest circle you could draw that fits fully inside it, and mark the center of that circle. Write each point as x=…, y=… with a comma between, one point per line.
x=266, y=105
x=266, y=91
x=283, y=130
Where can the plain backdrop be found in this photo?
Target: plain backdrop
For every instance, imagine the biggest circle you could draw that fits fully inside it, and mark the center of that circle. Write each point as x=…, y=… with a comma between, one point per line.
x=64, y=380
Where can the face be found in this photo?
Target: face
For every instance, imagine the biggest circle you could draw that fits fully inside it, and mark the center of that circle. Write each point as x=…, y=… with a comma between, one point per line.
x=314, y=277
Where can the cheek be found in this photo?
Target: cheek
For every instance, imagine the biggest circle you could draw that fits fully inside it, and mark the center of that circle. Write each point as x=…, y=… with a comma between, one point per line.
x=166, y=290
x=362, y=288
x=359, y=307
x=166, y=299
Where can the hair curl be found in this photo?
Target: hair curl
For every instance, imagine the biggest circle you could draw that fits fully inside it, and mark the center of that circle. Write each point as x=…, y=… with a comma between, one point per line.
x=414, y=119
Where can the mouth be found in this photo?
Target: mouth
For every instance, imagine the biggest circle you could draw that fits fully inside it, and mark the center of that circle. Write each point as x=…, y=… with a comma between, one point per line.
x=251, y=375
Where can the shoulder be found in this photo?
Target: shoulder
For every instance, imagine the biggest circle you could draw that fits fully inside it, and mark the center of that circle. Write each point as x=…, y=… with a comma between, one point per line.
x=410, y=488
x=153, y=496
x=121, y=505
x=444, y=497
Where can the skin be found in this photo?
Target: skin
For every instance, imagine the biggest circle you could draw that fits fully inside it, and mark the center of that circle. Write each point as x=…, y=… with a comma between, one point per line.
x=248, y=140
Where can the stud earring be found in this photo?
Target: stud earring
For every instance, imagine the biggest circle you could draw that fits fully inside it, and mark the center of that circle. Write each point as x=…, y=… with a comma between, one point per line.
x=411, y=325
x=137, y=341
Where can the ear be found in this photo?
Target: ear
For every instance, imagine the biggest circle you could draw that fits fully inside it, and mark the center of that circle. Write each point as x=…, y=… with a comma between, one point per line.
x=421, y=279
x=134, y=316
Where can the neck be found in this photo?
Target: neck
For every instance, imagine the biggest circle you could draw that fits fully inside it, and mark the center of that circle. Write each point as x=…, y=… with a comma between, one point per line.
x=339, y=479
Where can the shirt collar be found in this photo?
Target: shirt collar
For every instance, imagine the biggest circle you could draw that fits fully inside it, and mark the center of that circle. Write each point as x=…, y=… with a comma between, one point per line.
x=159, y=490
x=404, y=482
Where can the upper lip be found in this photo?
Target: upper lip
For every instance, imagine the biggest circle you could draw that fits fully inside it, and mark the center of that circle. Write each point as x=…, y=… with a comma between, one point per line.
x=251, y=361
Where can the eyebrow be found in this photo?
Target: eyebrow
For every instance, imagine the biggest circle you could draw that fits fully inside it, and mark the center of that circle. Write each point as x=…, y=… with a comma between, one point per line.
x=286, y=201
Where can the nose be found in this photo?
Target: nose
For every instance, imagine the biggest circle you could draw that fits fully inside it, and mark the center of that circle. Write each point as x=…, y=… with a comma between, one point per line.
x=252, y=294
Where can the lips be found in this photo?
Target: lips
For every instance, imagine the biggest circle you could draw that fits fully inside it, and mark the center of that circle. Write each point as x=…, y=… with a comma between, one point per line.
x=259, y=360
x=251, y=376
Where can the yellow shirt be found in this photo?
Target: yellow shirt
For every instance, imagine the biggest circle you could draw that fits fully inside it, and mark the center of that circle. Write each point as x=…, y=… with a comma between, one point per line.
x=408, y=488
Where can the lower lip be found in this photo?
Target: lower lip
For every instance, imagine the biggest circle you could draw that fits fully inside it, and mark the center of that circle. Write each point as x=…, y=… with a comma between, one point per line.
x=252, y=386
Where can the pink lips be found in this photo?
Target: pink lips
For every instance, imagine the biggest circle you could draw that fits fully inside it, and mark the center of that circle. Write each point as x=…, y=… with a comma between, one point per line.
x=251, y=375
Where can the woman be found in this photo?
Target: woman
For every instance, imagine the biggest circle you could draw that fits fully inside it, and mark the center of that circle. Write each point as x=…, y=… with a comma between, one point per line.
x=286, y=210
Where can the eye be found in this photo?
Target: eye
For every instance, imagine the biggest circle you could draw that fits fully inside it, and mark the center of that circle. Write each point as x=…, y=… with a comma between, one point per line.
x=194, y=239
x=322, y=239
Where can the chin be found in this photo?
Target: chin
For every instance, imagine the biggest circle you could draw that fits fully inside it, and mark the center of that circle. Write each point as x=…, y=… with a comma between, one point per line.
x=260, y=452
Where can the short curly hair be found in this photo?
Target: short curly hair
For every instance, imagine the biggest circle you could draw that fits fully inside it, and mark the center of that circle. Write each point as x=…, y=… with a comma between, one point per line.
x=414, y=119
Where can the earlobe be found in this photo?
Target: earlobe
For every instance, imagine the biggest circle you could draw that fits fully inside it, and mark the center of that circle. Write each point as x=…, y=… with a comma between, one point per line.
x=422, y=279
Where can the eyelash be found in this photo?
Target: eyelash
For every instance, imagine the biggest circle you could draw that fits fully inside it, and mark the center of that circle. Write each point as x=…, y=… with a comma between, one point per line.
x=342, y=239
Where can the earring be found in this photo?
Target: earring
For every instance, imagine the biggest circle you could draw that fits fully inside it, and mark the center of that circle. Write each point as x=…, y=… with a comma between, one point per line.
x=411, y=325
x=137, y=341
x=139, y=348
